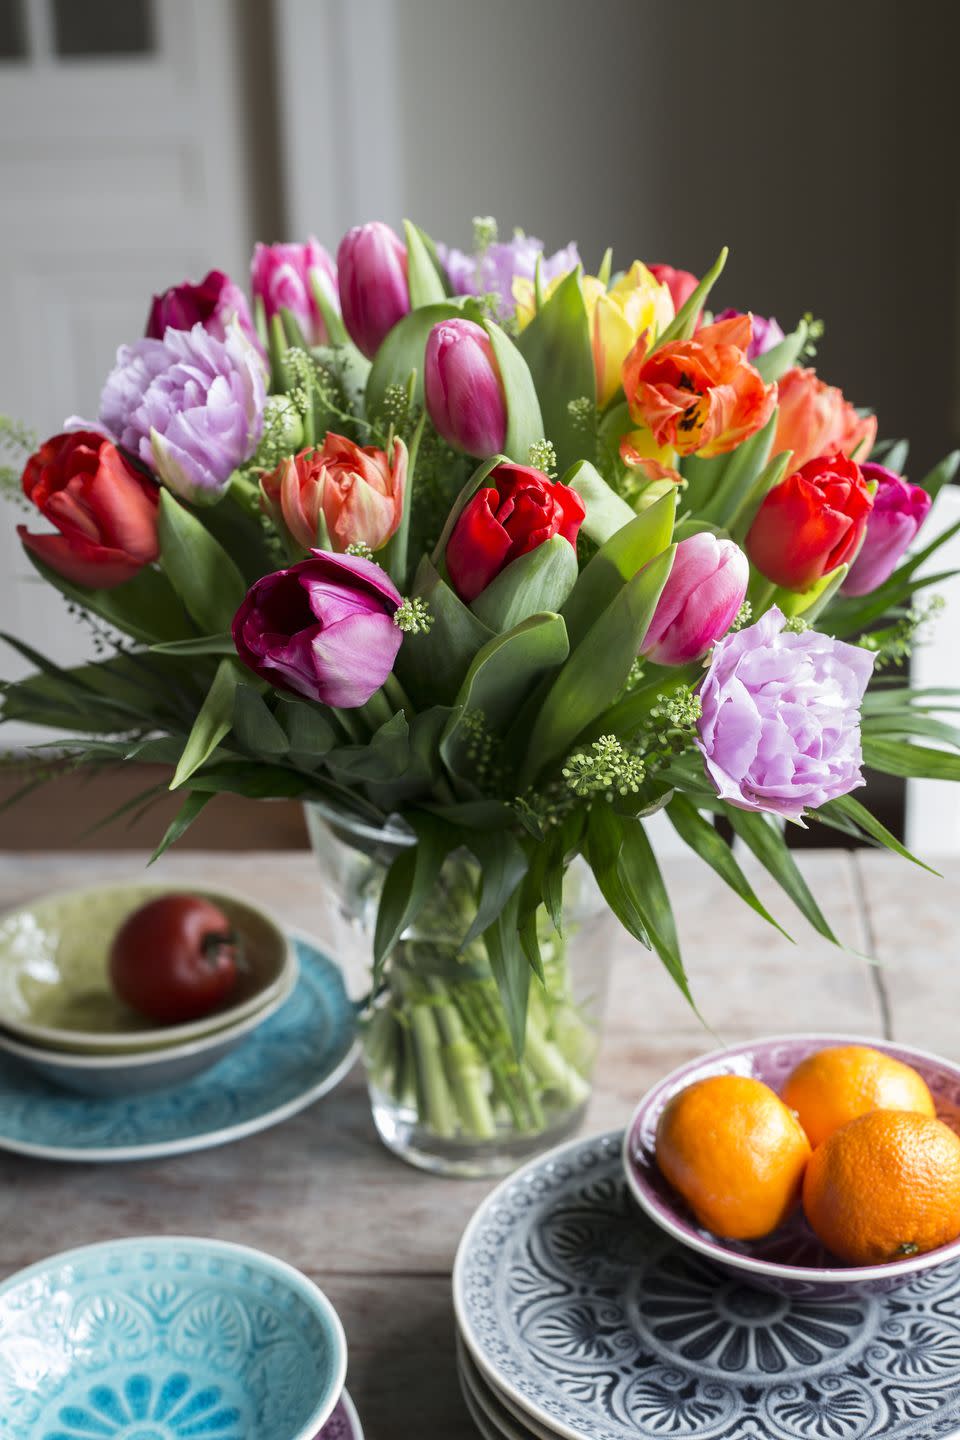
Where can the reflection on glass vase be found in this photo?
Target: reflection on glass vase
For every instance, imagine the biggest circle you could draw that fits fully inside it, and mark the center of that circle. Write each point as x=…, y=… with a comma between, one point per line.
x=448, y=1091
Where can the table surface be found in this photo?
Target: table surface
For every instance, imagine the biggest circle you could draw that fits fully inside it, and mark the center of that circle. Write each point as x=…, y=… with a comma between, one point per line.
x=380, y=1237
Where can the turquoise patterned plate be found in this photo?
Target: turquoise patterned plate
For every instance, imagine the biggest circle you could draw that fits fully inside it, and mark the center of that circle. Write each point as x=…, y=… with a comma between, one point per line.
x=591, y=1323
x=167, y=1339
x=296, y=1056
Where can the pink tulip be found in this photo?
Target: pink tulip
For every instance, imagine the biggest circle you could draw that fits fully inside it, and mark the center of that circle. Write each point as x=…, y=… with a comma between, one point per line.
x=899, y=509
x=464, y=392
x=283, y=276
x=322, y=628
x=372, y=269
x=700, y=600
x=213, y=303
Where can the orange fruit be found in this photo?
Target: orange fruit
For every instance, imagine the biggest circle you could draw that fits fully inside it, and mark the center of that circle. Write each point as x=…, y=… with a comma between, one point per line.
x=885, y=1186
x=735, y=1153
x=834, y=1086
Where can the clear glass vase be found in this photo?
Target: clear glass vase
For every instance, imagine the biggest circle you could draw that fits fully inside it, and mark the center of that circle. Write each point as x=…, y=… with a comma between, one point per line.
x=447, y=1090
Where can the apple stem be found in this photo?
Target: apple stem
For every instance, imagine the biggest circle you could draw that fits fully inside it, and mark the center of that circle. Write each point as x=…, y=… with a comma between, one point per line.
x=215, y=941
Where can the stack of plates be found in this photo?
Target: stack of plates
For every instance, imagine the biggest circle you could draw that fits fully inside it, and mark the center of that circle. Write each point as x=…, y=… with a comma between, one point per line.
x=579, y=1319
x=165, y=1339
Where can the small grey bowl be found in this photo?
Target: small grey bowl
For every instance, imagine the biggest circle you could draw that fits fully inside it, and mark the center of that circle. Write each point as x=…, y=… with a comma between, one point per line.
x=117, y=1077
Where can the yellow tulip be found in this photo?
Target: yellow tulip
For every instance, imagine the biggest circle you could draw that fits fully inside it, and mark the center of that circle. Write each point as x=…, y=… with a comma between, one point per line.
x=618, y=316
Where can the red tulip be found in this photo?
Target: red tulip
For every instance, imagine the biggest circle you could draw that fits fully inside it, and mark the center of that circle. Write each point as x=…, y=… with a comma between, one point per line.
x=680, y=283
x=103, y=507
x=517, y=511
x=811, y=522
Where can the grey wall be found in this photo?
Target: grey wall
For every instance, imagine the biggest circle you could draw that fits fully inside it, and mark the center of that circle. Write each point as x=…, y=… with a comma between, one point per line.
x=817, y=139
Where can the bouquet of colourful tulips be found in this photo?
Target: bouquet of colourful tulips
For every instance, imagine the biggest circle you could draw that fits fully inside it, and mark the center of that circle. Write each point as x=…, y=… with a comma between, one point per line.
x=504, y=557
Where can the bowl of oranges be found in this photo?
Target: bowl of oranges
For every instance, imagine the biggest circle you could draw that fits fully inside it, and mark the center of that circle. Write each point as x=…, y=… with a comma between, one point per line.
x=824, y=1165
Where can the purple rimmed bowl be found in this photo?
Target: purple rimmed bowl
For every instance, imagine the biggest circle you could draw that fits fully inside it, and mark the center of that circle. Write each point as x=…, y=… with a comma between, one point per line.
x=791, y=1261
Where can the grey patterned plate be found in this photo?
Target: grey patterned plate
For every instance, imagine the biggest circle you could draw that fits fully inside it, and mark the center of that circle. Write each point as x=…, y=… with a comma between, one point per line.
x=597, y=1326
x=296, y=1056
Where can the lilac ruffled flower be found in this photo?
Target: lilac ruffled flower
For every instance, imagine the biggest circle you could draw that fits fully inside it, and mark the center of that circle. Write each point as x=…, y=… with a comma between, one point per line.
x=780, y=723
x=323, y=628
x=766, y=332
x=899, y=509
x=189, y=406
x=494, y=271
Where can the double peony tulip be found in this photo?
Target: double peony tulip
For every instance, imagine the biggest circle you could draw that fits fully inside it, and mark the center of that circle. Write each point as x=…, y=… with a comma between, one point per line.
x=213, y=304
x=323, y=629
x=636, y=304
x=899, y=509
x=699, y=396
x=815, y=419
x=464, y=392
x=811, y=522
x=372, y=273
x=700, y=600
x=189, y=406
x=356, y=490
x=103, y=507
x=519, y=509
x=283, y=278
x=780, y=724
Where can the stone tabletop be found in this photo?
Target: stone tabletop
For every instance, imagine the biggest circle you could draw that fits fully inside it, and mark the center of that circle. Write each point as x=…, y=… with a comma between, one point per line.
x=379, y=1237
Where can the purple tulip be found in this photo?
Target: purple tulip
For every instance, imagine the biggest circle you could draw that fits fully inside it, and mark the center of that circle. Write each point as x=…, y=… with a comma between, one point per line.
x=766, y=332
x=699, y=601
x=189, y=406
x=494, y=270
x=323, y=628
x=282, y=277
x=372, y=266
x=899, y=509
x=464, y=392
x=213, y=304
x=780, y=728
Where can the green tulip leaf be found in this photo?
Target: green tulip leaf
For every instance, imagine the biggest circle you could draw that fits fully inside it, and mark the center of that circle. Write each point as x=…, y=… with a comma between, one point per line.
x=704, y=840
x=781, y=358
x=534, y=583
x=147, y=607
x=556, y=346
x=432, y=667
x=199, y=569
x=214, y=721
x=597, y=670
x=941, y=474
x=502, y=674
x=310, y=733
x=423, y=275
x=606, y=512
x=809, y=603
x=616, y=562
x=524, y=421
x=735, y=475
x=254, y=724
x=685, y=322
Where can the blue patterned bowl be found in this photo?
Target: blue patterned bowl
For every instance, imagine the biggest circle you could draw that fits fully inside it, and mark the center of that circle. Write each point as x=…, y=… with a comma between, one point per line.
x=167, y=1339
x=791, y=1261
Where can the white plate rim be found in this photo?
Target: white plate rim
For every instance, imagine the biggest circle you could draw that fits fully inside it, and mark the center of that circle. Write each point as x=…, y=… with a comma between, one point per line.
x=190, y=1144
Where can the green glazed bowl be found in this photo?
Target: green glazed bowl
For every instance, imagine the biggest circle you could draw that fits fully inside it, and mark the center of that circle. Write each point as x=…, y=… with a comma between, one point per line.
x=55, y=990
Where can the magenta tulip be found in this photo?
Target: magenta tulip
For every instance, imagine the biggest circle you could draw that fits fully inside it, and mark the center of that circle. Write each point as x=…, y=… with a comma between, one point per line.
x=213, y=303
x=372, y=270
x=700, y=600
x=464, y=392
x=283, y=277
x=899, y=509
x=322, y=628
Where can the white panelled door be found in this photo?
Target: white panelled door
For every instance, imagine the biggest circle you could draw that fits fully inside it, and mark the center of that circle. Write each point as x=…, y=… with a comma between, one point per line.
x=122, y=170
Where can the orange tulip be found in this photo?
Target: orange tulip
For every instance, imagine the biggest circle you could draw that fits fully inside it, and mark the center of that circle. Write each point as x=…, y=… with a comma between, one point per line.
x=815, y=419
x=699, y=396
x=356, y=490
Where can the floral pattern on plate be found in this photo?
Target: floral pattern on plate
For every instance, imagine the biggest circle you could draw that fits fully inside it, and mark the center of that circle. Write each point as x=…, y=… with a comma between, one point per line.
x=595, y=1324
x=292, y=1059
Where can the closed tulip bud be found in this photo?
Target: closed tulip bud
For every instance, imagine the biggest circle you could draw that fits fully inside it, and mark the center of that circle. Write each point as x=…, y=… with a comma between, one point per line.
x=700, y=600
x=372, y=271
x=464, y=392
